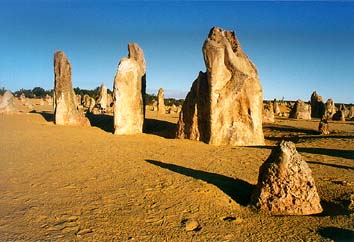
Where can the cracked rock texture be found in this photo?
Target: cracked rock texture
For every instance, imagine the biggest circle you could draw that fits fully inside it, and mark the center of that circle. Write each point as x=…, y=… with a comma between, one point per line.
x=285, y=184
x=224, y=105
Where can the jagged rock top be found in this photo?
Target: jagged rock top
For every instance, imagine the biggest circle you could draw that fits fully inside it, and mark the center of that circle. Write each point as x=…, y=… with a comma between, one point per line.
x=136, y=53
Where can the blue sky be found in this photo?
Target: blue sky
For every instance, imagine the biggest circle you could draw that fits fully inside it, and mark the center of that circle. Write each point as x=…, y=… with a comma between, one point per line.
x=298, y=47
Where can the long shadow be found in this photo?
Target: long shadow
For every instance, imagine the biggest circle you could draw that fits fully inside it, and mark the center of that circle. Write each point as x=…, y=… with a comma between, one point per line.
x=296, y=138
x=332, y=165
x=161, y=128
x=333, y=208
x=347, y=154
x=290, y=129
x=239, y=190
x=336, y=234
x=48, y=116
x=102, y=121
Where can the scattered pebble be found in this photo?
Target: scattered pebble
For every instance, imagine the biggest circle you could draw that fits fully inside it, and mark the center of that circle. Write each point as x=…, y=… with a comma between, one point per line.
x=192, y=225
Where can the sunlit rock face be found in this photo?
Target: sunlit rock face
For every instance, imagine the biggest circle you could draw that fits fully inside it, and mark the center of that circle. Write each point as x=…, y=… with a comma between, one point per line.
x=285, y=184
x=7, y=104
x=224, y=105
x=65, y=102
x=300, y=110
x=161, y=101
x=128, y=92
x=102, y=98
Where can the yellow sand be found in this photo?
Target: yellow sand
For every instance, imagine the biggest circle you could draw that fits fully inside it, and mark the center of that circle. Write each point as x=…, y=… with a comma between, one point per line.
x=73, y=183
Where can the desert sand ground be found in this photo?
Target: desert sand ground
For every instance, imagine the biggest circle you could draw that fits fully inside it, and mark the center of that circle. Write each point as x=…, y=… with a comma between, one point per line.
x=74, y=183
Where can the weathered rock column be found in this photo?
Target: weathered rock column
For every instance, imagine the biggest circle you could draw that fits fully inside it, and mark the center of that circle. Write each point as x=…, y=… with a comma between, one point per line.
x=128, y=91
x=7, y=103
x=102, y=98
x=285, y=184
x=300, y=110
x=161, y=101
x=317, y=106
x=224, y=105
x=65, y=102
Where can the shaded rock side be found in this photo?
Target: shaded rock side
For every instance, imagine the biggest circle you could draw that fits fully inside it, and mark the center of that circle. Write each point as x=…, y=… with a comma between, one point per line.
x=285, y=184
x=65, y=102
x=300, y=110
x=227, y=99
x=317, y=106
x=7, y=104
x=161, y=101
x=128, y=90
x=194, y=120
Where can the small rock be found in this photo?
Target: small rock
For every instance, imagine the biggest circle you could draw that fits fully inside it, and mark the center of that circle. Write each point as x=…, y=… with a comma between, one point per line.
x=84, y=231
x=192, y=225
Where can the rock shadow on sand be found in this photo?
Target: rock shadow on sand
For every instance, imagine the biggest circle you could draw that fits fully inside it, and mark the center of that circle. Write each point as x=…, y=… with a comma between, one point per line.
x=336, y=234
x=160, y=128
x=48, y=116
x=346, y=154
x=102, y=121
x=332, y=165
x=240, y=191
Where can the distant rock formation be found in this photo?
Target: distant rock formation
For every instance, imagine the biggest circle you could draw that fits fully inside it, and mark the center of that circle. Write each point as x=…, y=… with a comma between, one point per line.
x=300, y=110
x=330, y=108
x=317, y=106
x=351, y=112
x=102, y=98
x=224, y=105
x=323, y=126
x=285, y=184
x=339, y=116
x=109, y=100
x=161, y=101
x=23, y=97
x=276, y=108
x=48, y=99
x=128, y=92
x=268, y=112
x=7, y=104
x=65, y=103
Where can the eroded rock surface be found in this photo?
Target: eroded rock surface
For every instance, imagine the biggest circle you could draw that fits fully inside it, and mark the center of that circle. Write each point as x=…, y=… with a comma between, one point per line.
x=300, y=110
x=224, y=105
x=268, y=112
x=7, y=103
x=276, y=108
x=102, y=100
x=323, y=126
x=128, y=90
x=65, y=102
x=161, y=101
x=285, y=184
x=330, y=108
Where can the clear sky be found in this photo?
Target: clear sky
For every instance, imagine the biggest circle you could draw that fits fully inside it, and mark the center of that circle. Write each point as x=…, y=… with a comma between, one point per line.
x=298, y=47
